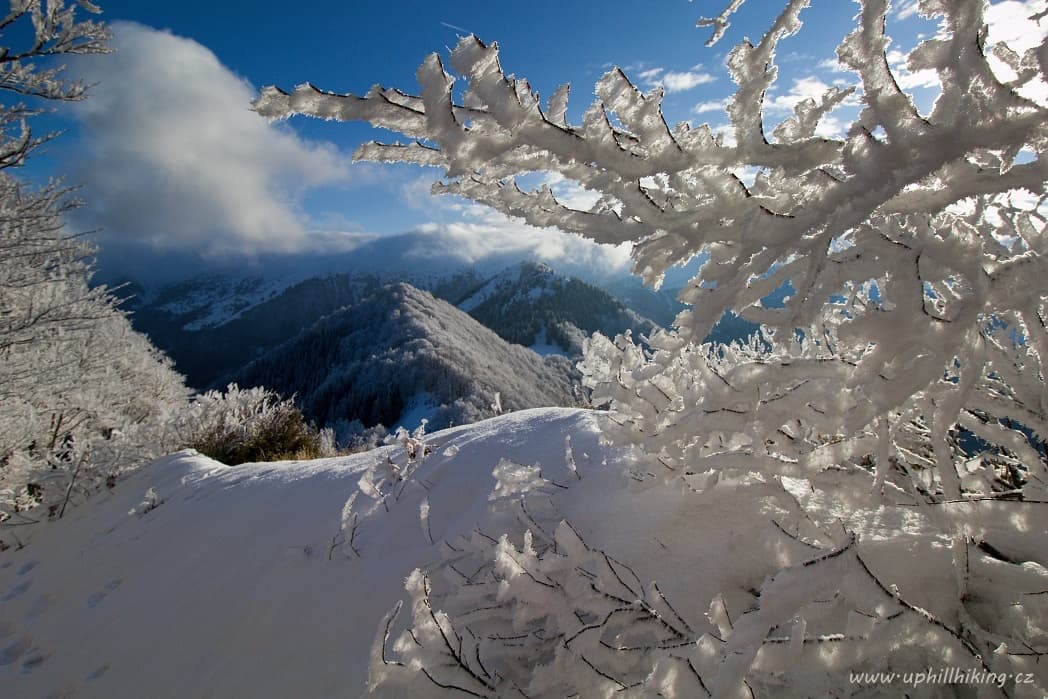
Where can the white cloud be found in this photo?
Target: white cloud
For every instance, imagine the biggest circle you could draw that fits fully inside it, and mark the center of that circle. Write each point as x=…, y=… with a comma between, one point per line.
x=710, y=106
x=1009, y=23
x=650, y=76
x=908, y=80
x=727, y=134
x=484, y=235
x=474, y=233
x=833, y=64
x=906, y=9
x=174, y=156
x=488, y=234
x=686, y=80
x=803, y=88
x=571, y=194
x=675, y=81
x=830, y=125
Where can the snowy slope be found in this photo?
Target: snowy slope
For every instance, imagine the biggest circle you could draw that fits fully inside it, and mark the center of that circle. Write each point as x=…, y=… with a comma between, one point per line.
x=226, y=588
x=272, y=580
x=210, y=300
x=209, y=355
x=509, y=279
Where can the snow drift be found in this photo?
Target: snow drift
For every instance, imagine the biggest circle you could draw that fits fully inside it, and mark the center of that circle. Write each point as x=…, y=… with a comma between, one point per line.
x=193, y=578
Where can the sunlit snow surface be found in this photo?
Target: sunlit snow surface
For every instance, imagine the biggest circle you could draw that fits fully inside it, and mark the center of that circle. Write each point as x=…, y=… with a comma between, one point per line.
x=226, y=588
x=231, y=586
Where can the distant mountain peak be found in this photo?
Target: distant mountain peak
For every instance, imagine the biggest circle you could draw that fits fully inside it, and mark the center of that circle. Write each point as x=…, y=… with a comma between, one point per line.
x=537, y=267
x=530, y=304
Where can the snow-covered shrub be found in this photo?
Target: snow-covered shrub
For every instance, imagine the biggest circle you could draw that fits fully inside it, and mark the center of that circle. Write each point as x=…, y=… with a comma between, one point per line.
x=894, y=407
x=533, y=620
x=254, y=424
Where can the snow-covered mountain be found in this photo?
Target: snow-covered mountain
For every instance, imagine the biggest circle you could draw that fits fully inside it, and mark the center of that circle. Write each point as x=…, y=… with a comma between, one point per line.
x=530, y=304
x=213, y=326
x=399, y=355
x=210, y=353
x=209, y=300
x=421, y=258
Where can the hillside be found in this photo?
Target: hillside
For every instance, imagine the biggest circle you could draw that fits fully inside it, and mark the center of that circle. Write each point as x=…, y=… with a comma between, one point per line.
x=400, y=355
x=195, y=324
x=194, y=579
x=530, y=304
x=212, y=326
x=227, y=589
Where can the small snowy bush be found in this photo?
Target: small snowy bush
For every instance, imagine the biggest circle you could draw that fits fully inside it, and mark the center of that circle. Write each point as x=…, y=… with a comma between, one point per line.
x=245, y=425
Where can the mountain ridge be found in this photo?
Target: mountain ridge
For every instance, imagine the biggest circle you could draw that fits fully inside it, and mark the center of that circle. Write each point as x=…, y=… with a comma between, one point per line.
x=532, y=305
x=373, y=360
x=209, y=346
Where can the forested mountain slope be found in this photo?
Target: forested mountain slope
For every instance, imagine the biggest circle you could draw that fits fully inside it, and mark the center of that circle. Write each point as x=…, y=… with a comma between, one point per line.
x=402, y=350
x=212, y=326
x=530, y=304
x=208, y=354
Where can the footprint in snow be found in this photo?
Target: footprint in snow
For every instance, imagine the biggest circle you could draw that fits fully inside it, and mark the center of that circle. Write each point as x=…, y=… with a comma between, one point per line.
x=34, y=660
x=16, y=590
x=94, y=598
x=40, y=605
x=15, y=650
x=26, y=567
x=63, y=692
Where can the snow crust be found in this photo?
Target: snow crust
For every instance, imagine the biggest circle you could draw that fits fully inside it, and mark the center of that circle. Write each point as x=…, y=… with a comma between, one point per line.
x=225, y=588
x=192, y=578
x=543, y=347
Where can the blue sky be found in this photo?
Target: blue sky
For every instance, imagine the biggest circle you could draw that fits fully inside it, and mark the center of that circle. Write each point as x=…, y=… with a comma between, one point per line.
x=169, y=155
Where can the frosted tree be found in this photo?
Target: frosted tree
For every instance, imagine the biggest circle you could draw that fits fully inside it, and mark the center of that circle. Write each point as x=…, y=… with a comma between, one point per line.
x=903, y=379
x=45, y=30
x=82, y=396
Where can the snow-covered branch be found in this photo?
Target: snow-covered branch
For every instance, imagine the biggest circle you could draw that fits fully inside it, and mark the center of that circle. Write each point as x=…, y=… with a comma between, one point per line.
x=906, y=366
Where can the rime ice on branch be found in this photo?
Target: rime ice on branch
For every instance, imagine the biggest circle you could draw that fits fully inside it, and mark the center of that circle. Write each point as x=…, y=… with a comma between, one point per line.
x=912, y=353
x=924, y=207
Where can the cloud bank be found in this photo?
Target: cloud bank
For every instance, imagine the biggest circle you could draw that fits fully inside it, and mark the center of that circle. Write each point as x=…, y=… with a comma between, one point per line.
x=171, y=153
